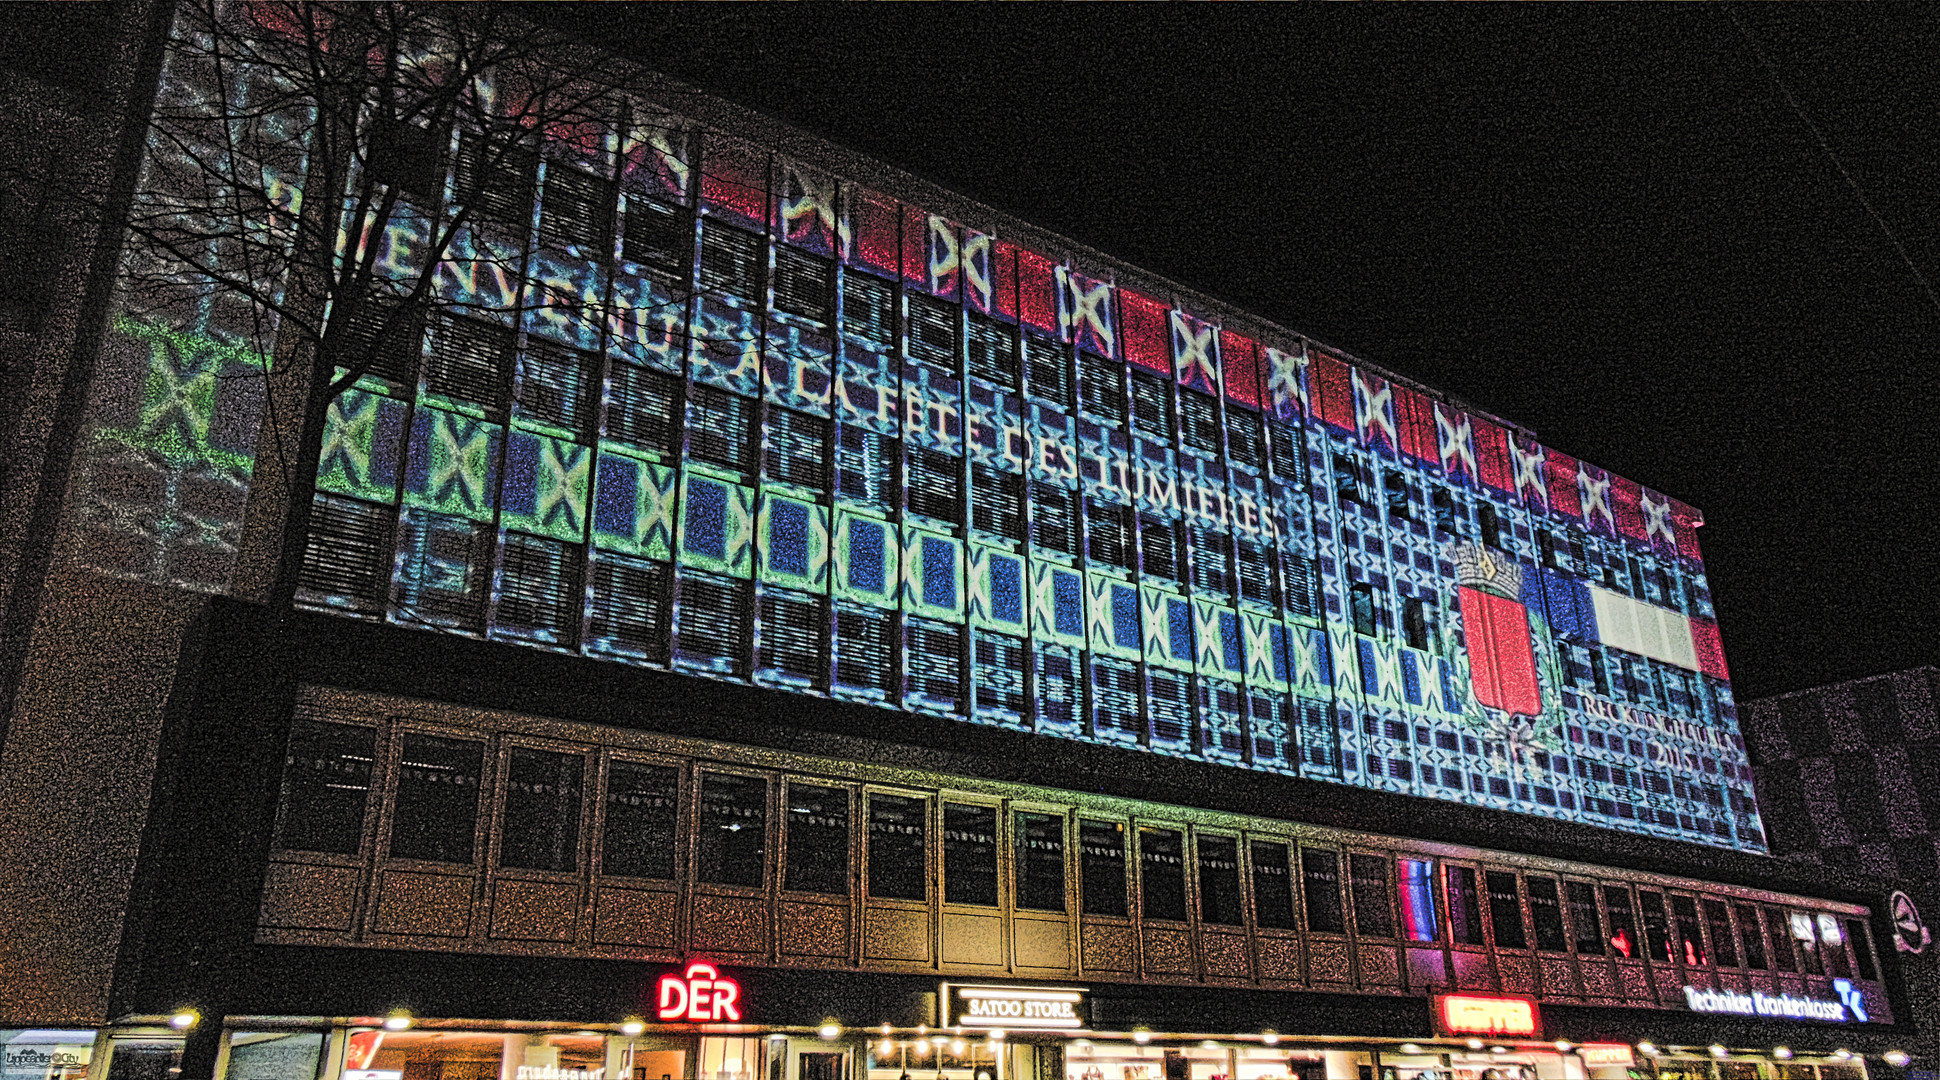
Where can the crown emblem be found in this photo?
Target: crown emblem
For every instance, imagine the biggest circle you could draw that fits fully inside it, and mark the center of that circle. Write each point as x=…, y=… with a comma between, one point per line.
x=1484, y=570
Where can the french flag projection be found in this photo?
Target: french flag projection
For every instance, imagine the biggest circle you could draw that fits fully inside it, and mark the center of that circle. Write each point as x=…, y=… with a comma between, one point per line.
x=1495, y=632
x=1584, y=612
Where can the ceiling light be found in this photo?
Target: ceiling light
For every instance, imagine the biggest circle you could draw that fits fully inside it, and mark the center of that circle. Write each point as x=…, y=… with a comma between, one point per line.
x=1564, y=1046
x=1782, y=1053
x=1141, y=1036
x=1647, y=1048
x=830, y=1031
x=1410, y=1048
x=1718, y=1050
x=1475, y=1044
x=1897, y=1058
x=1842, y=1054
x=184, y=1019
x=1270, y=1037
x=399, y=1020
x=632, y=1026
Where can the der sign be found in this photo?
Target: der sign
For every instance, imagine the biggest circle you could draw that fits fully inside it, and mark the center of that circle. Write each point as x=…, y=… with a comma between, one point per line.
x=1014, y=1008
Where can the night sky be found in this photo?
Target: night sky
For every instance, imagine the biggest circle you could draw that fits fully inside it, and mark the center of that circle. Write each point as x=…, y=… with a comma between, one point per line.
x=1604, y=223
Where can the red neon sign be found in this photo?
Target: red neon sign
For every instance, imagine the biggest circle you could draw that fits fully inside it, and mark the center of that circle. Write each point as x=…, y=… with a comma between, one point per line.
x=1487, y=1014
x=699, y=995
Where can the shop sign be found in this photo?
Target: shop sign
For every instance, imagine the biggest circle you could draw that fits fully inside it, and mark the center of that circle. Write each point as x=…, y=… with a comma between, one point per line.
x=1910, y=934
x=1601, y=1055
x=1487, y=1014
x=1014, y=1008
x=1849, y=1006
x=700, y=995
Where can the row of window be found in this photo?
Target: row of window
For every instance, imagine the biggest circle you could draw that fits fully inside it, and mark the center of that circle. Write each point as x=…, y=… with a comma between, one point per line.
x=820, y=836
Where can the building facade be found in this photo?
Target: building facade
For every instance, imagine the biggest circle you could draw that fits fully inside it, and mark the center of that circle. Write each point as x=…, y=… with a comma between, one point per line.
x=764, y=616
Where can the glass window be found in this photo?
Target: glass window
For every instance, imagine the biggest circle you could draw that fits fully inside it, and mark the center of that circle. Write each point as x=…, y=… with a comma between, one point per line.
x=1690, y=939
x=1623, y=922
x=897, y=845
x=1752, y=936
x=642, y=806
x=732, y=846
x=541, y=826
x=969, y=854
x=436, y=813
x=1219, y=880
x=1581, y=897
x=1272, y=886
x=1657, y=931
x=1505, y=911
x=1101, y=851
x=1040, y=862
x=1546, y=912
x=1373, y=910
x=1722, y=941
x=818, y=840
x=1418, y=917
x=1784, y=956
x=1162, y=873
x=264, y=1055
x=1834, y=942
x=1861, y=951
x=1464, y=906
x=326, y=782
x=1320, y=871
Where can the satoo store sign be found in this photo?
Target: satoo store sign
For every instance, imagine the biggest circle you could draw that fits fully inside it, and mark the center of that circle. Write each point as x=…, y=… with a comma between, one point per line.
x=699, y=995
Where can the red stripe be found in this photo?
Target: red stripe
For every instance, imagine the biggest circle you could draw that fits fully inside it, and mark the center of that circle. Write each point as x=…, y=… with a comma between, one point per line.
x=1141, y=322
x=1415, y=416
x=1333, y=385
x=1037, y=291
x=1626, y=503
x=1563, y=495
x=1492, y=455
x=872, y=221
x=1239, y=359
x=1502, y=664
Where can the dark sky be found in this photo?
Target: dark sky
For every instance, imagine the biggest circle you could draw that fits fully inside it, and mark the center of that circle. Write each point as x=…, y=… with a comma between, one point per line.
x=1604, y=223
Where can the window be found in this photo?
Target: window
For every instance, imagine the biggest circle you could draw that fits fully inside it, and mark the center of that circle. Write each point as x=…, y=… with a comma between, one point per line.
x=1546, y=548
x=435, y=813
x=631, y=605
x=935, y=661
x=1199, y=421
x=1783, y=956
x=818, y=840
x=864, y=653
x=495, y=180
x=1464, y=906
x=540, y=595
x=470, y=360
x=1162, y=873
x=1623, y=922
x=996, y=502
x=1212, y=559
x=1397, y=493
x=1058, y=690
x=1581, y=897
x=714, y=616
x=642, y=809
x=1489, y=525
x=1723, y=942
x=1272, y=886
x=1657, y=938
x=720, y=427
x=1048, y=367
x=1151, y=406
x=1447, y=517
x=804, y=285
x=347, y=557
x=1257, y=581
x=731, y=261
x=409, y=158
x=1219, y=901
x=1415, y=622
x=1752, y=936
x=867, y=466
x=1348, y=485
x=326, y=782
x=1373, y=910
x=868, y=309
x=540, y=830
x=933, y=331
x=1245, y=439
x=1286, y=453
x=1101, y=855
x=732, y=845
x=1418, y=915
x=1158, y=544
x=1108, y=533
x=897, y=846
x=794, y=635
x=1320, y=873
x=1861, y=951
x=643, y=409
x=1361, y=598
x=443, y=569
x=1000, y=663
x=577, y=210
x=935, y=484
x=969, y=854
x=1168, y=702
x=1040, y=862
x=1100, y=391
x=1505, y=911
x=1114, y=699
x=1546, y=912
x=798, y=449
x=384, y=335
x=992, y=350
x=1303, y=585
x=659, y=236
x=1054, y=517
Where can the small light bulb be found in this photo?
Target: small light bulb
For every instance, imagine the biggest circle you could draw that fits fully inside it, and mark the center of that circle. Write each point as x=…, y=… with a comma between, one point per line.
x=1270, y=1037
x=1897, y=1058
x=1141, y=1036
x=1647, y=1048
x=996, y=1034
x=1718, y=1050
x=184, y=1019
x=1475, y=1044
x=1498, y=1049
x=1410, y=1048
x=829, y=1032
x=1782, y=1053
x=1842, y=1054
x=956, y=1047
x=397, y=1021
x=1564, y=1046
x=888, y=1047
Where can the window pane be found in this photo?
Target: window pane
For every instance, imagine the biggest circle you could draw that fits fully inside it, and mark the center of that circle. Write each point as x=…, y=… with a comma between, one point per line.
x=1040, y=862
x=896, y=847
x=1505, y=911
x=1162, y=873
x=1101, y=847
x=1272, y=886
x=1373, y=910
x=436, y=813
x=1320, y=873
x=1219, y=880
x=642, y=806
x=1464, y=906
x=1546, y=911
x=1861, y=950
x=1623, y=921
x=1690, y=940
x=969, y=854
x=1581, y=897
x=326, y=782
x=1752, y=936
x=818, y=839
x=1722, y=941
x=541, y=826
x=1657, y=935
x=731, y=848
x=1418, y=916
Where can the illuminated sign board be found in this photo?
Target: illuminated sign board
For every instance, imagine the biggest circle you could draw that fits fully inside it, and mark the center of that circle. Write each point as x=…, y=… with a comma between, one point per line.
x=699, y=995
x=1848, y=1007
x=1487, y=1014
x=1014, y=1008
x=1598, y=1055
